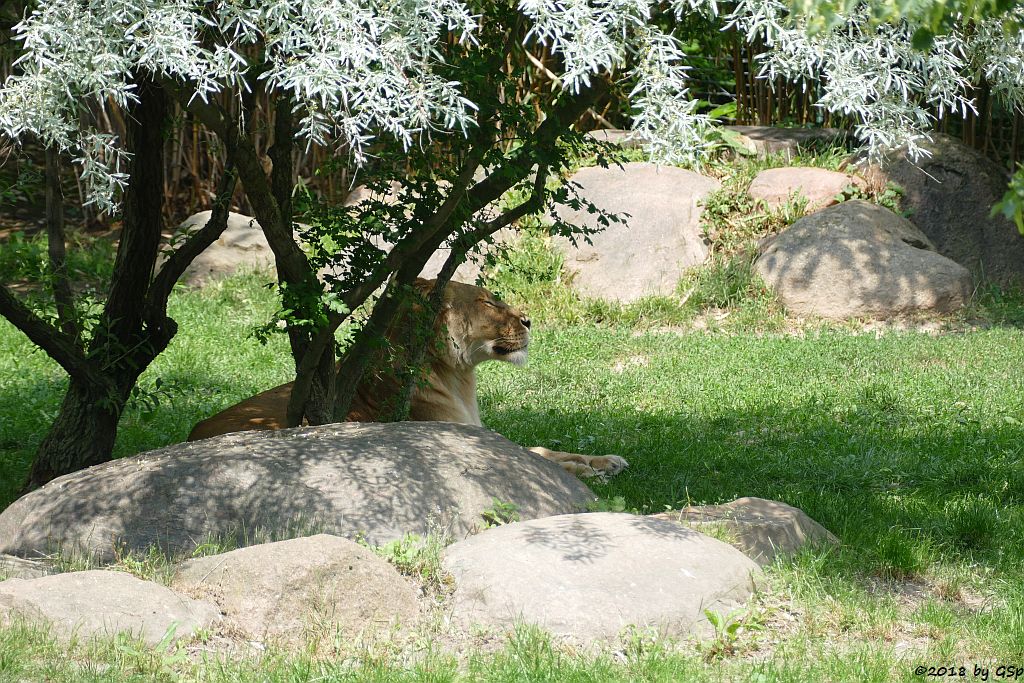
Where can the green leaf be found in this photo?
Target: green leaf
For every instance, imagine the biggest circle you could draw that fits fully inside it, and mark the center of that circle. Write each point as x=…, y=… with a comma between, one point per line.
x=723, y=111
x=923, y=39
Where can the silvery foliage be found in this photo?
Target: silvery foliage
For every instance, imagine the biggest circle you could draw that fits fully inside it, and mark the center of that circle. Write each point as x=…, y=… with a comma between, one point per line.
x=353, y=66
x=872, y=71
x=356, y=68
x=616, y=36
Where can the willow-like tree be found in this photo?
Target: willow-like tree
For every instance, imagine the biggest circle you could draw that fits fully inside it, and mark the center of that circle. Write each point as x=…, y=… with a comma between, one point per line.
x=432, y=79
x=425, y=93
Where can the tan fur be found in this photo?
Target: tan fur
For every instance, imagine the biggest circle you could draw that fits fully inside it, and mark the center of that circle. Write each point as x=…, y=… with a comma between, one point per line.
x=479, y=328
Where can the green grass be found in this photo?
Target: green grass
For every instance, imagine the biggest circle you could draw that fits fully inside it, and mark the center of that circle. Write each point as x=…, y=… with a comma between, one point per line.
x=906, y=436
x=909, y=446
x=213, y=361
x=28, y=652
x=25, y=259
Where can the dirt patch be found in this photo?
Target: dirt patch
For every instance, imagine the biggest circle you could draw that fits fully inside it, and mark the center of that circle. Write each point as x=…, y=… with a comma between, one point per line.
x=625, y=364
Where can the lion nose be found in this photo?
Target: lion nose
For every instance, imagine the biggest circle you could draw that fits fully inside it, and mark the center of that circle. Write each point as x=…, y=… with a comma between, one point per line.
x=525, y=321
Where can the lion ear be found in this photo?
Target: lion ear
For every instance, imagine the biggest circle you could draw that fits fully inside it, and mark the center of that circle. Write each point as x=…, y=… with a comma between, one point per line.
x=424, y=287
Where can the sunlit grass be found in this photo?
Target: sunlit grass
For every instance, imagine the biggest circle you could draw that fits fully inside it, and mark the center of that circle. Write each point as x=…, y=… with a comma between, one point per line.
x=909, y=446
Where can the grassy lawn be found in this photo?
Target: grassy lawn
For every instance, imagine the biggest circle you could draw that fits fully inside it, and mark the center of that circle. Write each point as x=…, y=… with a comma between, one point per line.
x=908, y=444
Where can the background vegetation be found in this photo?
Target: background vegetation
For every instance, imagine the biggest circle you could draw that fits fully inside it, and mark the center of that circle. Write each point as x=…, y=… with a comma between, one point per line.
x=724, y=77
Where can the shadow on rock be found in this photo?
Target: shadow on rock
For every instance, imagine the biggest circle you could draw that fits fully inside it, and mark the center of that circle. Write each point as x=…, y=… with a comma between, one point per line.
x=380, y=481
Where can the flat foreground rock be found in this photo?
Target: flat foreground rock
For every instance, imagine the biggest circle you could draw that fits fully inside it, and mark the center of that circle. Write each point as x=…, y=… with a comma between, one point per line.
x=380, y=480
x=857, y=259
x=660, y=238
x=287, y=589
x=588, y=576
x=760, y=529
x=103, y=603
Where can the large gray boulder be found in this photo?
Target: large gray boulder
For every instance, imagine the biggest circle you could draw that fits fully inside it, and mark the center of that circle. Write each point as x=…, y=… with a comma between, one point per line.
x=949, y=196
x=305, y=586
x=103, y=603
x=589, y=576
x=818, y=186
x=380, y=480
x=241, y=247
x=858, y=259
x=470, y=270
x=661, y=237
x=760, y=529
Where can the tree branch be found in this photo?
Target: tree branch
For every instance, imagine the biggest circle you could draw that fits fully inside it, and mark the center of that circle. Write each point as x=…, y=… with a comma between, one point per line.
x=418, y=246
x=408, y=246
x=282, y=173
x=492, y=187
x=57, y=345
x=173, y=268
x=399, y=254
x=420, y=342
x=418, y=350
x=142, y=215
x=353, y=364
x=305, y=370
x=210, y=115
x=292, y=265
x=417, y=249
x=59, y=284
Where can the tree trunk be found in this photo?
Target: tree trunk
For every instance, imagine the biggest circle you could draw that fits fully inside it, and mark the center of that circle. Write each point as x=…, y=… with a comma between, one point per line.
x=282, y=183
x=81, y=436
x=319, y=406
x=142, y=220
x=131, y=333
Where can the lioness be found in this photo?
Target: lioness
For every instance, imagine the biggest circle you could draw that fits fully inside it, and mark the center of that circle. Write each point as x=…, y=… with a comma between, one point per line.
x=479, y=328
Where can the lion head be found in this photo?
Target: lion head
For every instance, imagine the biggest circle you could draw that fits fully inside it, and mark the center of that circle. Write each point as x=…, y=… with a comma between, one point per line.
x=480, y=327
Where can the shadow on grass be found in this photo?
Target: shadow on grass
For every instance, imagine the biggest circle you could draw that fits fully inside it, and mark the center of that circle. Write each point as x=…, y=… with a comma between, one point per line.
x=900, y=489
x=26, y=410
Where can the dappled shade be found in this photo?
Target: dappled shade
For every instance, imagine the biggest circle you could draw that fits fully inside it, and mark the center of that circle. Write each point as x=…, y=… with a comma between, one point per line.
x=589, y=576
x=378, y=480
x=949, y=196
x=860, y=259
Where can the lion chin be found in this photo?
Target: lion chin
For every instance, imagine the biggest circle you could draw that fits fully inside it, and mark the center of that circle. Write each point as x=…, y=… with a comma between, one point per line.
x=478, y=327
x=518, y=357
